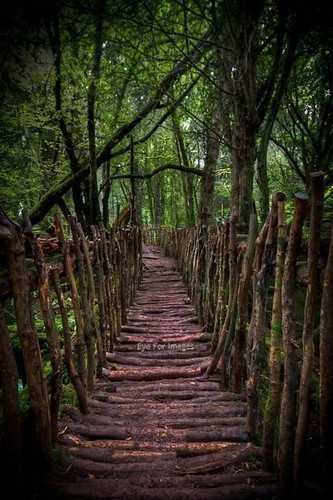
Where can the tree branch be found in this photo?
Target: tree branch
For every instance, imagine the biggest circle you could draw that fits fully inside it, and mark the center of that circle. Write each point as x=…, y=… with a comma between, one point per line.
x=50, y=198
x=149, y=175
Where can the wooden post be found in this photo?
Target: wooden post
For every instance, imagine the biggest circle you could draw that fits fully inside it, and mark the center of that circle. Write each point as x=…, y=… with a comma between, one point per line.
x=317, y=201
x=101, y=294
x=326, y=370
x=263, y=269
x=275, y=358
x=226, y=330
x=52, y=337
x=219, y=299
x=288, y=402
x=92, y=299
x=242, y=305
x=117, y=281
x=68, y=355
x=12, y=432
x=258, y=255
x=88, y=337
x=228, y=352
x=79, y=343
x=12, y=237
x=108, y=285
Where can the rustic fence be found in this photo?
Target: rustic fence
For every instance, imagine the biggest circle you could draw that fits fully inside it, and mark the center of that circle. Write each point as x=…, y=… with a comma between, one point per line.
x=81, y=290
x=259, y=295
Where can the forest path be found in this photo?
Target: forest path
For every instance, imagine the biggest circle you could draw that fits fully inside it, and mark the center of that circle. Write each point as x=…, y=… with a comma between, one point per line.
x=157, y=428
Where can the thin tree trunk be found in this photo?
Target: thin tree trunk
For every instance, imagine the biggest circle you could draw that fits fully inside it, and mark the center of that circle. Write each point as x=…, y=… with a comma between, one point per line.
x=106, y=193
x=207, y=202
x=317, y=201
x=19, y=278
x=275, y=358
x=94, y=210
x=12, y=435
x=79, y=341
x=288, y=402
x=68, y=354
x=242, y=305
x=92, y=300
x=108, y=285
x=241, y=32
x=85, y=307
x=136, y=208
x=52, y=339
x=263, y=270
x=54, y=35
x=326, y=370
x=223, y=287
x=281, y=86
x=186, y=178
x=101, y=293
x=232, y=297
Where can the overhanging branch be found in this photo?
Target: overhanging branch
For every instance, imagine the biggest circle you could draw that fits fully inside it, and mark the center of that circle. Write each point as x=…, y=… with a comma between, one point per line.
x=168, y=166
x=52, y=196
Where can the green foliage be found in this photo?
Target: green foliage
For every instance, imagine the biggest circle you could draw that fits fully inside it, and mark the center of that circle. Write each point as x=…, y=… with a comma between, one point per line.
x=68, y=397
x=141, y=44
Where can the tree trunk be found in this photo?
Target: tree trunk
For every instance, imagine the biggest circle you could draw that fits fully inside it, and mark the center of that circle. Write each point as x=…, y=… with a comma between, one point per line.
x=94, y=209
x=39, y=405
x=96, y=333
x=79, y=341
x=85, y=307
x=242, y=305
x=136, y=202
x=187, y=179
x=52, y=339
x=288, y=402
x=54, y=36
x=243, y=158
x=263, y=270
x=158, y=190
x=106, y=193
x=281, y=86
x=241, y=33
x=326, y=370
x=11, y=449
x=68, y=356
x=317, y=201
x=275, y=360
x=207, y=202
x=101, y=292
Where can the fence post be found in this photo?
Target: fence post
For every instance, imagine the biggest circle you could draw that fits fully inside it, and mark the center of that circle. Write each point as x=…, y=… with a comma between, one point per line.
x=19, y=279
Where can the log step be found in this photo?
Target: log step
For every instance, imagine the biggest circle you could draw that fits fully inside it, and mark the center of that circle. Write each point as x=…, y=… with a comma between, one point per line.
x=125, y=491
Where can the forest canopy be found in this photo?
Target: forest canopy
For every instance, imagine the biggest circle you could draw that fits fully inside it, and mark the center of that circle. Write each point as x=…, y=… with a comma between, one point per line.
x=205, y=106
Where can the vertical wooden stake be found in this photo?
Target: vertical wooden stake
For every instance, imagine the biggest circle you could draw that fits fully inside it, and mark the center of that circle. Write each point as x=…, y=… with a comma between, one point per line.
x=68, y=357
x=326, y=370
x=19, y=277
x=317, y=201
x=12, y=436
x=288, y=402
x=275, y=359
x=80, y=343
x=52, y=338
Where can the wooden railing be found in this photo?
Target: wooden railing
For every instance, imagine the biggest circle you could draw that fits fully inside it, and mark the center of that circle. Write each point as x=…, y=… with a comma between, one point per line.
x=259, y=296
x=81, y=291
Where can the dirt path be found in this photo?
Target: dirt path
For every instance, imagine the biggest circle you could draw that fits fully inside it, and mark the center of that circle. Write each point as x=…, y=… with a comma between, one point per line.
x=157, y=428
